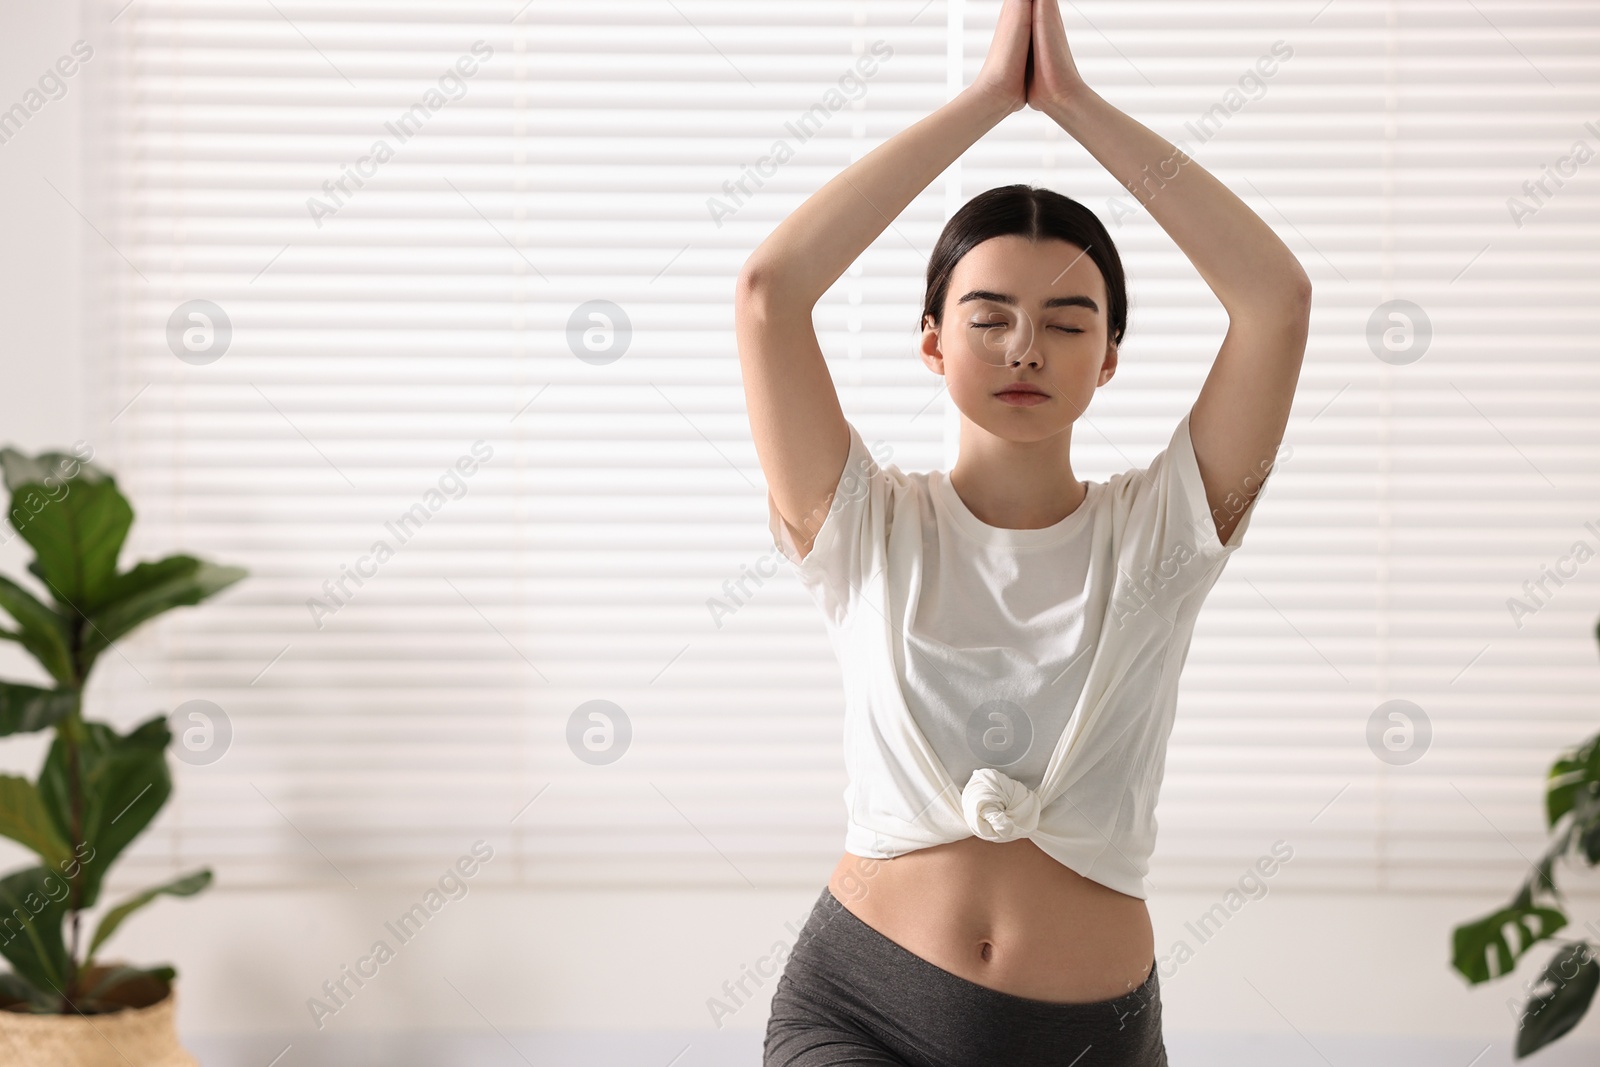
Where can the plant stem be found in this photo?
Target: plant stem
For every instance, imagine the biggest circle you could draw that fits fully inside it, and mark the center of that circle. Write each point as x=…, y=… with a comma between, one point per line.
x=71, y=736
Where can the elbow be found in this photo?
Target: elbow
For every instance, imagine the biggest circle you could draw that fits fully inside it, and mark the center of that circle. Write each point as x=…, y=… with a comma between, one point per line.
x=763, y=288
x=1280, y=305
x=1289, y=303
x=753, y=284
x=1298, y=293
x=752, y=295
x=1278, y=293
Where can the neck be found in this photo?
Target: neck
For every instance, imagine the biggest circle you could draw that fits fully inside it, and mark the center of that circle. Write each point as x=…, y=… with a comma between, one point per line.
x=1016, y=485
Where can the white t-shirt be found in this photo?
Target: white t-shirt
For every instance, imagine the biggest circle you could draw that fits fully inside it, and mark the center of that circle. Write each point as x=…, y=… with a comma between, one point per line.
x=1011, y=683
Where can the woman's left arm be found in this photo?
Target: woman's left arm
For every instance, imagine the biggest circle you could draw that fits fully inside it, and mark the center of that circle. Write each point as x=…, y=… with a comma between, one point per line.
x=1238, y=420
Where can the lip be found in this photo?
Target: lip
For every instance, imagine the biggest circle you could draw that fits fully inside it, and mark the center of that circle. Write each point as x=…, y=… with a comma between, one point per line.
x=1022, y=394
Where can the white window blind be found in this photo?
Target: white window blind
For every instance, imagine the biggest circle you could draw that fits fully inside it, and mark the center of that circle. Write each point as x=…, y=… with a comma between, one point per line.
x=392, y=306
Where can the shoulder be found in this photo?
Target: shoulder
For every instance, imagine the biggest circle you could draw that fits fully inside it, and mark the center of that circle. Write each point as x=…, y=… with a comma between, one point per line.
x=1172, y=476
x=874, y=460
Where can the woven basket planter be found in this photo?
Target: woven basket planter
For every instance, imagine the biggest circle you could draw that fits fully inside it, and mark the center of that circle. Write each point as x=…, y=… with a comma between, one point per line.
x=132, y=1037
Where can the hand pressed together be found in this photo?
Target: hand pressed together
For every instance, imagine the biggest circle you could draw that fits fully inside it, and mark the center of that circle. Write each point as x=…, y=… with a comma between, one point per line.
x=1054, y=77
x=1029, y=63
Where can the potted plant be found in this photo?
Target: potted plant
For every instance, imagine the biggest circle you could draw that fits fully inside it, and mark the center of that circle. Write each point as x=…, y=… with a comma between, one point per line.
x=97, y=789
x=1490, y=947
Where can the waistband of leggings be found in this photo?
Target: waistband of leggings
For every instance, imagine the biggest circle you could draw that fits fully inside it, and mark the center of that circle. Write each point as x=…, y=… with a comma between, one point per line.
x=830, y=917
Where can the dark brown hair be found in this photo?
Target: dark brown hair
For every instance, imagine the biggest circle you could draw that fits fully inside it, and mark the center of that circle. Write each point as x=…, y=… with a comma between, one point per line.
x=1037, y=214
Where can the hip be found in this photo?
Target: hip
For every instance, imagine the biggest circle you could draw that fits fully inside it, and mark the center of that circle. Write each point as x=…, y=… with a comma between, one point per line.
x=849, y=995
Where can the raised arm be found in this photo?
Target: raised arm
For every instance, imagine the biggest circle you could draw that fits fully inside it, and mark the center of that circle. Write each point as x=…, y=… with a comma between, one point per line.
x=798, y=427
x=1238, y=420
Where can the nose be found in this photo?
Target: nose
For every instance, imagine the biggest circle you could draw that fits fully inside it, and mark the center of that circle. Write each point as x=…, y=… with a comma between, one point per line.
x=1022, y=347
x=1027, y=353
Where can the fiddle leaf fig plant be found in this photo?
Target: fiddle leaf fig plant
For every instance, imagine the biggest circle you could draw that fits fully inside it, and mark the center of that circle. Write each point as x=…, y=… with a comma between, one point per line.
x=1491, y=946
x=97, y=789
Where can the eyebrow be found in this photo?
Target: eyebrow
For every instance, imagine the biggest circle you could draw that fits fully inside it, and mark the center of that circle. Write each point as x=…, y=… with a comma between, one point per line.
x=1053, y=302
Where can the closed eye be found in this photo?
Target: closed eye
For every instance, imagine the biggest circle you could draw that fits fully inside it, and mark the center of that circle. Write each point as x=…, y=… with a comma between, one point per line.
x=988, y=325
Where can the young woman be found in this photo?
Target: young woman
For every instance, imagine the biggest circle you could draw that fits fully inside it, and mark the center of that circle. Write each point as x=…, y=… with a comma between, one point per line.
x=1011, y=636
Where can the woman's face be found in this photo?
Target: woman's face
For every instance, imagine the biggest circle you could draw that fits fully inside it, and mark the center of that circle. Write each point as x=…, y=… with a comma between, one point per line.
x=1020, y=311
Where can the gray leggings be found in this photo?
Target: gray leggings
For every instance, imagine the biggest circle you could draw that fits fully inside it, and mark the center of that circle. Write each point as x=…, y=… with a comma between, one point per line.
x=849, y=995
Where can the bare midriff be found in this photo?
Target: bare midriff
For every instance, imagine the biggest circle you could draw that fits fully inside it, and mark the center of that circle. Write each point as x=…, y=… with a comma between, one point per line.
x=1005, y=916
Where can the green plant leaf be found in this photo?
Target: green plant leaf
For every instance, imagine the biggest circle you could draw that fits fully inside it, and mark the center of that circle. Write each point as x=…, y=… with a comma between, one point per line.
x=33, y=902
x=76, y=528
x=125, y=783
x=15, y=989
x=23, y=818
x=42, y=631
x=187, y=886
x=148, y=590
x=19, y=469
x=1574, y=776
x=1479, y=944
x=1589, y=840
x=24, y=709
x=1542, y=881
x=1560, y=998
x=114, y=988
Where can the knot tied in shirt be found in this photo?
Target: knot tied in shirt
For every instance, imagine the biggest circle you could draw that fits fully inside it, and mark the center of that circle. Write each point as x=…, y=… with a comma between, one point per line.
x=998, y=807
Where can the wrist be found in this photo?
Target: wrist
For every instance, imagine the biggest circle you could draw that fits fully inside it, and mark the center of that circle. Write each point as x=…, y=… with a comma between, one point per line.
x=988, y=105
x=1065, y=106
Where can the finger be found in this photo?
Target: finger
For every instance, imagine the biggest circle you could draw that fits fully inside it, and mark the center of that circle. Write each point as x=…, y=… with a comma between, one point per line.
x=1047, y=21
x=1015, y=23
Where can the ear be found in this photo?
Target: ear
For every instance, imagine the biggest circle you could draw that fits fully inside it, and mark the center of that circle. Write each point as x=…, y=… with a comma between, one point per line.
x=1108, y=367
x=932, y=355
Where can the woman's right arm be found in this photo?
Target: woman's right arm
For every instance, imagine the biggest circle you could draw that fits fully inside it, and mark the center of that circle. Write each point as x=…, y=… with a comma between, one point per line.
x=799, y=428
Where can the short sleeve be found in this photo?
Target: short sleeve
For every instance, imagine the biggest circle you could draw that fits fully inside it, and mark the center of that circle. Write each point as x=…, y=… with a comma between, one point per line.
x=1168, y=547
x=850, y=535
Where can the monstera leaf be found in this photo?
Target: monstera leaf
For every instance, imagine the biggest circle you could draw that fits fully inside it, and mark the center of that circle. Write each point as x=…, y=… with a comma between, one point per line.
x=1575, y=776
x=125, y=783
x=1490, y=947
x=1560, y=997
x=1486, y=941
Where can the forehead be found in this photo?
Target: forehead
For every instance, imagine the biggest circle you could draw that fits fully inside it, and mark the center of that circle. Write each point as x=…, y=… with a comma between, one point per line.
x=1033, y=271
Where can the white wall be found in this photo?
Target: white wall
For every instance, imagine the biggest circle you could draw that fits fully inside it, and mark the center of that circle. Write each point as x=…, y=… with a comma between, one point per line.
x=40, y=296
x=1341, y=979
x=42, y=372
